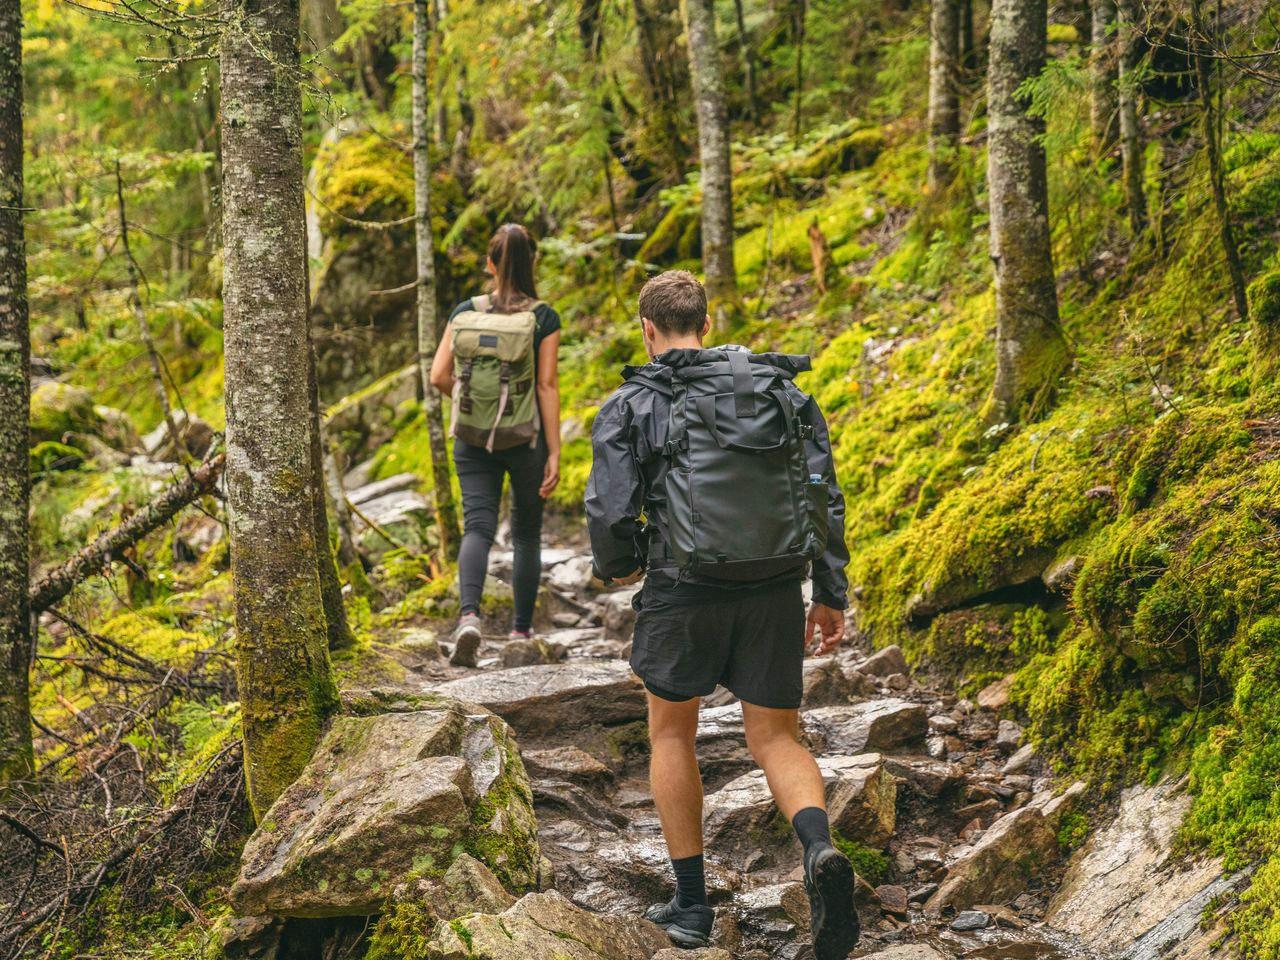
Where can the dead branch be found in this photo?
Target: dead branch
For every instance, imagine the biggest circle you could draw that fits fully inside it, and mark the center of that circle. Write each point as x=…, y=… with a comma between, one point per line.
x=62, y=580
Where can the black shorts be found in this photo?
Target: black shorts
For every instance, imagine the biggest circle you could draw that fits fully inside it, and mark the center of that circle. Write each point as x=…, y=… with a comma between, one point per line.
x=753, y=645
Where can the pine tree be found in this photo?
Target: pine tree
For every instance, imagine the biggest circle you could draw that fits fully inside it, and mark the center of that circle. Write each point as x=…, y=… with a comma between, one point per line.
x=714, y=153
x=1030, y=348
x=15, y=402
x=286, y=687
x=446, y=511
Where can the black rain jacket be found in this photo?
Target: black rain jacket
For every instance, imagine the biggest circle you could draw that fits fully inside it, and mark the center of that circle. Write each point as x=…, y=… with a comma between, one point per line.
x=625, y=499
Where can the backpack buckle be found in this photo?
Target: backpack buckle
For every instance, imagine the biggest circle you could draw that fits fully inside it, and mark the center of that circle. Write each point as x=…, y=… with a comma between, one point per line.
x=672, y=447
x=804, y=431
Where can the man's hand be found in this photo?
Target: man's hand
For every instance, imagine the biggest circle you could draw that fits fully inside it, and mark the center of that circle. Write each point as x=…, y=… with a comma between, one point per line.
x=830, y=622
x=630, y=578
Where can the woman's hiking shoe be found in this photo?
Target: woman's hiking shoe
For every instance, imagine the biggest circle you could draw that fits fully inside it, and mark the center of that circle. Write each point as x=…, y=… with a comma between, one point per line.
x=828, y=879
x=466, y=641
x=686, y=926
x=520, y=635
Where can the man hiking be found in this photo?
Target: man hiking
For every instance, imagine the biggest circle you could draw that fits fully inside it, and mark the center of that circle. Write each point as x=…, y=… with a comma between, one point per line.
x=712, y=478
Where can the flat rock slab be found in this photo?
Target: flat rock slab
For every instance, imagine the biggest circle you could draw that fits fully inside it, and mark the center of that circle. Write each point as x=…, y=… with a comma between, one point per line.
x=873, y=725
x=908, y=951
x=384, y=796
x=546, y=925
x=861, y=801
x=551, y=698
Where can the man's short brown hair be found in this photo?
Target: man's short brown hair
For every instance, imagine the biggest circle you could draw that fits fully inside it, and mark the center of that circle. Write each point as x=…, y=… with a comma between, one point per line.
x=674, y=302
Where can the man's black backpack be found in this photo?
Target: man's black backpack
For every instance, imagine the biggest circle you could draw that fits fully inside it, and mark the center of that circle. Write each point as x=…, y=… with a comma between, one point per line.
x=741, y=502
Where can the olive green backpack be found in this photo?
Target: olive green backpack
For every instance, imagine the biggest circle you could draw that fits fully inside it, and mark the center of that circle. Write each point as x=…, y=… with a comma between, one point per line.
x=494, y=401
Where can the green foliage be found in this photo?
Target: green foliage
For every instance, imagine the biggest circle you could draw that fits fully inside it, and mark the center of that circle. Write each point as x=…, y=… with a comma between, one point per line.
x=871, y=865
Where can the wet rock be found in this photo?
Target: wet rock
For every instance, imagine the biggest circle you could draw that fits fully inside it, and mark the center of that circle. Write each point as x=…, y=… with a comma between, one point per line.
x=893, y=899
x=250, y=938
x=971, y=920
x=786, y=902
x=1020, y=760
x=468, y=886
x=923, y=893
x=1000, y=864
x=642, y=867
x=982, y=811
x=566, y=763
x=565, y=620
x=527, y=652
x=884, y=663
x=1008, y=736
x=1060, y=574
x=619, y=615
x=1123, y=892
x=705, y=953
x=385, y=795
x=897, y=681
x=875, y=725
x=1017, y=782
x=825, y=683
x=942, y=723
x=908, y=951
x=1001, y=916
x=571, y=576
x=995, y=696
x=861, y=800
x=546, y=925
x=542, y=700
x=926, y=777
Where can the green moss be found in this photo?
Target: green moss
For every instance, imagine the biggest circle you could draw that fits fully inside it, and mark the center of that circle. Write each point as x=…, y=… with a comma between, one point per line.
x=870, y=865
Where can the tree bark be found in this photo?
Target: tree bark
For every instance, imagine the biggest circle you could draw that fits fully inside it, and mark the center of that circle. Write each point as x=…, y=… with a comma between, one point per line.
x=800, y=10
x=286, y=686
x=968, y=43
x=658, y=42
x=61, y=580
x=442, y=492
x=460, y=156
x=1030, y=348
x=714, y=157
x=1128, y=90
x=750, y=67
x=1103, y=71
x=944, y=92
x=1213, y=153
x=15, y=405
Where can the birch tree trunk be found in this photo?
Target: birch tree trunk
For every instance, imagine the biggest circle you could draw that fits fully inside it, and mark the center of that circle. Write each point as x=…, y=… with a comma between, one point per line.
x=1030, y=348
x=286, y=687
x=1128, y=90
x=944, y=92
x=446, y=510
x=15, y=406
x=1103, y=63
x=713, y=150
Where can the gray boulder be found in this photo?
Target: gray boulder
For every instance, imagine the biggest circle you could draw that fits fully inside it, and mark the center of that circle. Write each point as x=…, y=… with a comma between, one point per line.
x=619, y=615
x=385, y=796
x=547, y=699
x=885, y=663
x=874, y=725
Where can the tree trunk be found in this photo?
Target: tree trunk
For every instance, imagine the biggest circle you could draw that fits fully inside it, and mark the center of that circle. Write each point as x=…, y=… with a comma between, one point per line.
x=286, y=686
x=968, y=43
x=944, y=92
x=799, y=12
x=1103, y=68
x=15, y=405
x=658, y=42
x=1030, y=348
x=442, y=494
x=714, y=157
x=1128, y=90
x=1213, y=152
x=460, y=156
x=750, y=68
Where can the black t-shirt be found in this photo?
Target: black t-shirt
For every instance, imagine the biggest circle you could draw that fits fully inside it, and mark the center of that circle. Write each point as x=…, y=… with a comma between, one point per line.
x=548, y=322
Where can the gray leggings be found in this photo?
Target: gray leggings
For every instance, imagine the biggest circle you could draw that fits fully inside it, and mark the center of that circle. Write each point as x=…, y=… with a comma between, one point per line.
x=480, y=475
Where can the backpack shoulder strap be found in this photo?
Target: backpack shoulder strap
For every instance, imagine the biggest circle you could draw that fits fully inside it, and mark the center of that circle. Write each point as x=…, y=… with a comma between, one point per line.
x=482, y=303
x=744, y=391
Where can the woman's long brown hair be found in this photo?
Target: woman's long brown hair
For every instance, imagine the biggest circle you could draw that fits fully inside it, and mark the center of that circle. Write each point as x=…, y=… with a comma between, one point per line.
x=512, y=251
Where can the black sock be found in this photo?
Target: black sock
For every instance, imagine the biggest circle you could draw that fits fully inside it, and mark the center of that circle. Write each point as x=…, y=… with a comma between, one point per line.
x=691, y=882
x=811, y=826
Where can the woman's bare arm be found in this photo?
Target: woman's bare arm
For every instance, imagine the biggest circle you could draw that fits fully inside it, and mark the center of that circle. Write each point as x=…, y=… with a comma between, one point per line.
x=549, y=407
x=442, y=362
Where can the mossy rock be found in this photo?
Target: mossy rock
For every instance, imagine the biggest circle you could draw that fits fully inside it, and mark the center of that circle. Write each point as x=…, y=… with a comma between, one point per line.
x=677, y=233
x=1264, y=303
x=50, y=455
x=856, y=151
x=58, y=409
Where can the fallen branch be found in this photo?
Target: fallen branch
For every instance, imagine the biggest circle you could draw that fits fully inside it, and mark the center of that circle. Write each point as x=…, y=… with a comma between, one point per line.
x=63, y=579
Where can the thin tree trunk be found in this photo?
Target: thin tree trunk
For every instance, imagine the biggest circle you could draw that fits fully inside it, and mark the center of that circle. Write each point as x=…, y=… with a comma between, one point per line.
x=1030, y=348
x=944, y=92
x=460, y=157
x=442, y=493
x=1103, y=73
x=15, y=404
x=714, y=155
x=968, y=45
x=800, y=11
x=442, y=111
x=1213, y=152
x=749, y=66
x=337, y=500
x=144, y=329
x=286, y=685
x=657, y=42
x=1128, y=90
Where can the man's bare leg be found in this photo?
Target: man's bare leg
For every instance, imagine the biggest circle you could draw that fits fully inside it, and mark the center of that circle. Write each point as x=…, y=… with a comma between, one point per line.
x=677, y=791
x=773, y=737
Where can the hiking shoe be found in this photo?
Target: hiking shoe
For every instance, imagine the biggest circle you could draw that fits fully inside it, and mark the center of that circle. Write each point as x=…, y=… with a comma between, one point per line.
x=829, y=880
x=520, y=635
x=686, y=926
x=466, y=641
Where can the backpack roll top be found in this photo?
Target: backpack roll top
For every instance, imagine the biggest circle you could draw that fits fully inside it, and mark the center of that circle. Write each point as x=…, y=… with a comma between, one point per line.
x=742, y=505
x=494, y=400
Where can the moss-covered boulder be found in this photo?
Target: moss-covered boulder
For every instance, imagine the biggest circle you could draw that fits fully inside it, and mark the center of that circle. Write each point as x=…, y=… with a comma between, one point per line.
x=544, y=925
x=387, y=798
x=58, y=409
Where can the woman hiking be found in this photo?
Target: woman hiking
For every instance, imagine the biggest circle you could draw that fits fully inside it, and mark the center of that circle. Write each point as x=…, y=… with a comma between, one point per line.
x=497, y=360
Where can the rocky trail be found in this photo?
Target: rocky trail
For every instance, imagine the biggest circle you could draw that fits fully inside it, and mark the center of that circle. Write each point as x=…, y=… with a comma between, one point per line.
x=956, y=827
